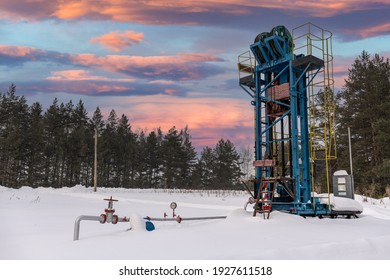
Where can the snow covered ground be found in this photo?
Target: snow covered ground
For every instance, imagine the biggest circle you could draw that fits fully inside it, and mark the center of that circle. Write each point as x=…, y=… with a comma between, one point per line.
x=39, y=224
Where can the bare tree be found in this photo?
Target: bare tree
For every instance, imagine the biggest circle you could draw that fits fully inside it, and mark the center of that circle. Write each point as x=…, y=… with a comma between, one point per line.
x=247, y=157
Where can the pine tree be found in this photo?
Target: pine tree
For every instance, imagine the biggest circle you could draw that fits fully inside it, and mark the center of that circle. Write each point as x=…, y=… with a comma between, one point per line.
x=178, y=158
x=364, y=106
x=171, y=147
x=35, y=145
x=106, y=152
x=154, y=158
x=97, y=121
x=53, y=140
x=142, y=179
x=13, y=124
x=227, y=165
x=188, y=159
x=78, y=143
x=205, y=169
x=125, y=156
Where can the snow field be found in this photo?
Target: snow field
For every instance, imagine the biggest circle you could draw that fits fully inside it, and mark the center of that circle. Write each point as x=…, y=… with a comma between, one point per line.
x=38, y=224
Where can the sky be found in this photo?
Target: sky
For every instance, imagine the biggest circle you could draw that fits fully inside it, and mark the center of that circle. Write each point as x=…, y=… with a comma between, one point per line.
x=167, y=63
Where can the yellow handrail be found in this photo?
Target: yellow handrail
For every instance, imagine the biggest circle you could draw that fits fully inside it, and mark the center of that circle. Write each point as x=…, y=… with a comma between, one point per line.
x=313, y=40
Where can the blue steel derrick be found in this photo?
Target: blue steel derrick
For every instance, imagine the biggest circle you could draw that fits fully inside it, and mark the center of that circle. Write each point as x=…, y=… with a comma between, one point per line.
x=278, y=82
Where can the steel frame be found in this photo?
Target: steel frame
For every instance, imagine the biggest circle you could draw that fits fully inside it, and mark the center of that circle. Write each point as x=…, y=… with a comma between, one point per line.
x=273, y=68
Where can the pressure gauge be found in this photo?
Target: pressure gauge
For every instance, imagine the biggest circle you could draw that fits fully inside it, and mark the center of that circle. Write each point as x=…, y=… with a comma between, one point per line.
x=173, y=205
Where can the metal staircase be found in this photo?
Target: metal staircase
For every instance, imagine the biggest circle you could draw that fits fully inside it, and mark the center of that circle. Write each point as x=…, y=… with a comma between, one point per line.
x=267, y=187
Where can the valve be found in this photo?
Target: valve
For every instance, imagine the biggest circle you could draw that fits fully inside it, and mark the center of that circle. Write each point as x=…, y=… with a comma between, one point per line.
x=109, y=217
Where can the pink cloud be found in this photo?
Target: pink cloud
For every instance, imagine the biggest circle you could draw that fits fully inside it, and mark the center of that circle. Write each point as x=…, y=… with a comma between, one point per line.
x=162, y=82
x=198, y=113
x=81, y=75
x=17, y=55
x=180, y=66
x=340, y=69
x=209, y=119
x=74, y=75
x=111, y=88
x=118, y=40
x=374, y=30
x=74, y=9
x=146, y=11
x=78, y=87
x=20, y=52
x=160, y=12
x=340, y=73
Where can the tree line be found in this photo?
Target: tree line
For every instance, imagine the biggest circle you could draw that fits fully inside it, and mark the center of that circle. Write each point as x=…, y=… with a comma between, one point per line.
x=55, y=148
x=364, y=106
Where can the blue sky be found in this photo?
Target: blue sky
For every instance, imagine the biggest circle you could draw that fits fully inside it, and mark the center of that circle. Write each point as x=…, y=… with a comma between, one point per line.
x=166, y=63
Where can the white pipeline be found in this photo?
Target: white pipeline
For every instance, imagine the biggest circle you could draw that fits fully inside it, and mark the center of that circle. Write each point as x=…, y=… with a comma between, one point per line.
x=102, y=219
x=108, y=217
x=83, y=218
x=180, y=219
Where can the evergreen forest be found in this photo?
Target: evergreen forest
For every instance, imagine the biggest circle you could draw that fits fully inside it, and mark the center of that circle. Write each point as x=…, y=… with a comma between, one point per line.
x=363, y=105
x=55, y=148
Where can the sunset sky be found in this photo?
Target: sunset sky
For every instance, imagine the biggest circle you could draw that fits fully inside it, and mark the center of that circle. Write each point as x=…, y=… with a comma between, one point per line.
x=166, y=63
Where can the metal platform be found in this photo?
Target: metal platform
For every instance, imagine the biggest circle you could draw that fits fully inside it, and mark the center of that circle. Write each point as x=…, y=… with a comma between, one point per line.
x=248, y=81
x=310, y=62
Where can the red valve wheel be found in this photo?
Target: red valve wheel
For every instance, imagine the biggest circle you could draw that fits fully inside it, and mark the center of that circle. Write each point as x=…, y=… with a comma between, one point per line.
x=110, y=199
x=103, y=218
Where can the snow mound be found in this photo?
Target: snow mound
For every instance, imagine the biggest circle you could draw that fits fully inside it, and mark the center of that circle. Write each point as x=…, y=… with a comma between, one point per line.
x=26, y=190
x=341, y=203
x=79, y=188
x=345, y=204
x=137, y=223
